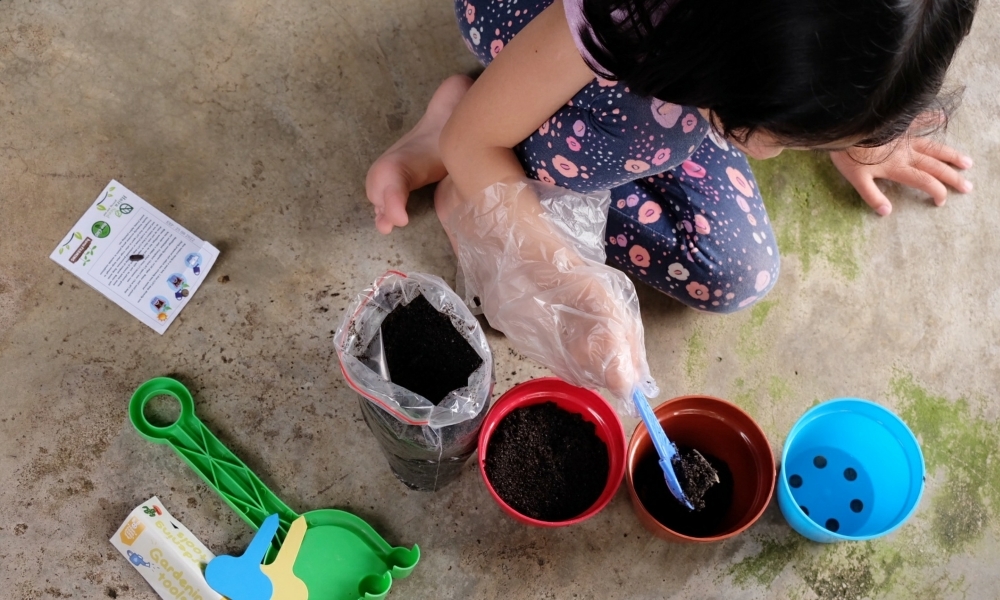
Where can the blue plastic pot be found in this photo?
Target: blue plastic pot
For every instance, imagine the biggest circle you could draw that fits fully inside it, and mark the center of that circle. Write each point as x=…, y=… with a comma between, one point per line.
x=850, y=470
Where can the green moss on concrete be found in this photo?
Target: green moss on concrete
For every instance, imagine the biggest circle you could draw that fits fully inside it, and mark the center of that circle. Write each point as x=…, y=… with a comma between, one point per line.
x=815, y=212
x=761, y=397
x=744, y=396
x=851, y=571
x=751, y=343
x=943, y=587
x=830, y=572
x=765, y=566
x=842, y=573
x=779, y=390
x=964, y=449
x=696, y=360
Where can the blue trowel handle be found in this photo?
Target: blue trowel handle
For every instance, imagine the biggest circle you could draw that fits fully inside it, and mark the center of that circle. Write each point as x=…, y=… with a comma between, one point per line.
x=664, y=447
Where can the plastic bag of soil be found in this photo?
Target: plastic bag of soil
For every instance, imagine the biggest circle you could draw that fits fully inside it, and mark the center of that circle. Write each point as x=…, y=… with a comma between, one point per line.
x=426, y=440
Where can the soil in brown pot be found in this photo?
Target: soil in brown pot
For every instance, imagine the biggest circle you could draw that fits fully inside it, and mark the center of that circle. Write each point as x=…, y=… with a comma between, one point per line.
x=651, y=488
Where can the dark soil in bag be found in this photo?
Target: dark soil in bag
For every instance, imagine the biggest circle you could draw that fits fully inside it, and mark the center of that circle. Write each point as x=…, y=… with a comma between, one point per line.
x=547, y=463
x=661, y=504
x=419, y=462
x=425, y=353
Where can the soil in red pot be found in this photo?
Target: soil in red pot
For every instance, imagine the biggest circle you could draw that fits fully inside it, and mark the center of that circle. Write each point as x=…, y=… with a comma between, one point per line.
x=547, y=463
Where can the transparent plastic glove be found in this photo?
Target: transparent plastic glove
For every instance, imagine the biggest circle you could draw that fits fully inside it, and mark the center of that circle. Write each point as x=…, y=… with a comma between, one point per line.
x=532, y=258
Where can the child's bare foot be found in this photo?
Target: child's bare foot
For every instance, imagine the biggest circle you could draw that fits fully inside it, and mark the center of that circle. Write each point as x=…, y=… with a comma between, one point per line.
x=415, y=160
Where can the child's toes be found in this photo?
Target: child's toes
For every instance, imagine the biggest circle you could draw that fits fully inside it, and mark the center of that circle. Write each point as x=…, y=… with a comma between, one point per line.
x=395, y=206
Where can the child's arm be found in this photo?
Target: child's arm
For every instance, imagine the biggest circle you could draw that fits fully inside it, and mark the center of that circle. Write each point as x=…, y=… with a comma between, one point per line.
x=595, y=336
x=535, y=75
x=917, y=162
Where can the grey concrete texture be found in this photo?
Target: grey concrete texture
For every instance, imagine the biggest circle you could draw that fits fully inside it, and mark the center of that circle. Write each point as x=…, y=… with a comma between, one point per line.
x=252, y=123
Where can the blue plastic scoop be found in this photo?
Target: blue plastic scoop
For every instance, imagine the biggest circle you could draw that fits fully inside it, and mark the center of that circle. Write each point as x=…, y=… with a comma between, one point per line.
x=668, y=454
x=240, y=577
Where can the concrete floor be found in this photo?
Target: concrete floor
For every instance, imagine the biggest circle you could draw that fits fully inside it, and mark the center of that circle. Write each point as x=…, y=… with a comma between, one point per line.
x=252, y=123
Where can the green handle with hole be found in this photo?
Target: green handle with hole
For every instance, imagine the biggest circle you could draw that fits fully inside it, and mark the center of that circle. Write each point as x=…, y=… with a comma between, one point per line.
x=236, y=484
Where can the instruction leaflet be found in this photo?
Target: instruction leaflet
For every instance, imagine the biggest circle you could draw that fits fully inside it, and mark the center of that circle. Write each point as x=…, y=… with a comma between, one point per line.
x=136, y=256
x=165, y=552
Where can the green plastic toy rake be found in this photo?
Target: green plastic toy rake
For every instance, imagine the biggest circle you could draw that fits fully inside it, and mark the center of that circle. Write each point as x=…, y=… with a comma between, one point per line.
x=341, y=558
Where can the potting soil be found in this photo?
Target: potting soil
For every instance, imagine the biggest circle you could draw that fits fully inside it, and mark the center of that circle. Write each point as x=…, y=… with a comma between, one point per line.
x=652, y=490
x=423, y=458
x=696, y=476
x=547, y=463
x=425, y=353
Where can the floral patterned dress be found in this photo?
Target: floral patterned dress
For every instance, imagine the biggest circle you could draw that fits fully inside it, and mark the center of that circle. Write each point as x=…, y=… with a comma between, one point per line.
x=686, y=214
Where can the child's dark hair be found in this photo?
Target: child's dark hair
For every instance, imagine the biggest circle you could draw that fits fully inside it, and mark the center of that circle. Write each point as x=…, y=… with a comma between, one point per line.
x=810, y=72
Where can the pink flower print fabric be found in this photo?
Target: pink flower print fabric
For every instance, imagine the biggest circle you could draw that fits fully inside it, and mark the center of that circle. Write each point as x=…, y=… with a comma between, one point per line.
x=686, y=215
x=710, y=246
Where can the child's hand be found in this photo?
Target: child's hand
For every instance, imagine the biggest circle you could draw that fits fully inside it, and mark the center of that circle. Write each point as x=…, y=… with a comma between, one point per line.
x=917, y=162
x=545, y=288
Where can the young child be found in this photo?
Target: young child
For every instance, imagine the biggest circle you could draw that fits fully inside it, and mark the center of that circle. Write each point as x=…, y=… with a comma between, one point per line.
x=660, y=101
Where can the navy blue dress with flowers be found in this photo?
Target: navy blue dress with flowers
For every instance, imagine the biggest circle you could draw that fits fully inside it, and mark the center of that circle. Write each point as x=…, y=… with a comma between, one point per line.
x=686, y=214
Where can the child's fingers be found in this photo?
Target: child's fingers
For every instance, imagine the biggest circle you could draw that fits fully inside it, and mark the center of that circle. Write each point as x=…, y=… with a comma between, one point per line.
x=872, y=195
x=922, y=180
x=943, y=173
x=941, y=152
x=621, y=374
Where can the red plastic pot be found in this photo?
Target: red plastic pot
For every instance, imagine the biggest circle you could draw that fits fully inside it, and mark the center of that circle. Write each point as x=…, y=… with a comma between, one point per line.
x=590, y=405
x=723, y=430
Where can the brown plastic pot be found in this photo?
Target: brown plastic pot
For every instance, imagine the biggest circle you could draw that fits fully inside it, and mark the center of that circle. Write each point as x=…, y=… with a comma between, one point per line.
x=723, y=430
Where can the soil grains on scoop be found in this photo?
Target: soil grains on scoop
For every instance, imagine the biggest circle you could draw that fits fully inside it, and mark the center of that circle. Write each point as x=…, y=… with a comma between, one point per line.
x=652, y=491
x=696, y=476
x=547, y=463
x=425, y=353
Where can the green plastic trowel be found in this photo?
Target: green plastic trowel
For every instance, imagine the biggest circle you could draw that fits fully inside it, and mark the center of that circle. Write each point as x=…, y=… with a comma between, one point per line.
x=341, y=557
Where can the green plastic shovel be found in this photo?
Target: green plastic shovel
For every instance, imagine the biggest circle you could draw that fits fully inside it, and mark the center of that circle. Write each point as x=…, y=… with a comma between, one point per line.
x=341, y=558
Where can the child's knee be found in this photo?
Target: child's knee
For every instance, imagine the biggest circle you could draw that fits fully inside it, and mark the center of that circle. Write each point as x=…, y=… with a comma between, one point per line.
x=724, y=282
x=745, y=285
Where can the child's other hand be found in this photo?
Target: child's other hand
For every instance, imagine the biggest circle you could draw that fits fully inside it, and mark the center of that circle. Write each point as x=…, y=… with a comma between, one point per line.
x=917, y=162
